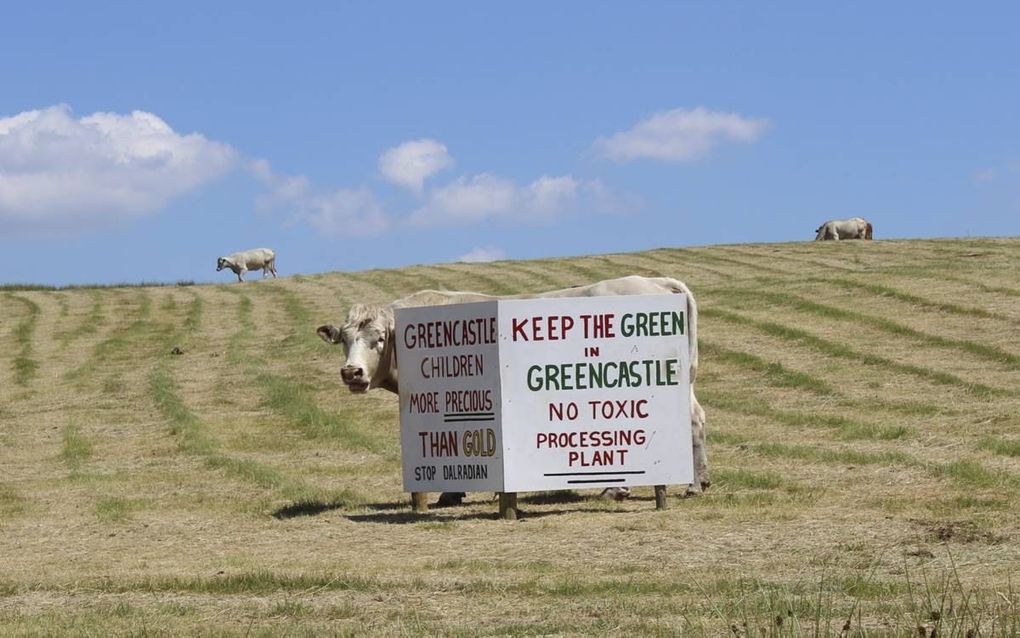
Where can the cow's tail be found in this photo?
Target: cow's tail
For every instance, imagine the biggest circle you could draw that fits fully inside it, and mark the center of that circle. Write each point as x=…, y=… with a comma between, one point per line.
x=676, y=286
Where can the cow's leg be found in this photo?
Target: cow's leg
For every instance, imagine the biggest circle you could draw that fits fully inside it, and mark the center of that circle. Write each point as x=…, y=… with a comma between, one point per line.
x=702, y=478
x=446, y=499
x=240, y=273
x=615, y=493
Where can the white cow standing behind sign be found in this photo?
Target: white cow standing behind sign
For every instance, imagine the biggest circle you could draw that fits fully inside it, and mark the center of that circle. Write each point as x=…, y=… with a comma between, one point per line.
x=367, y=336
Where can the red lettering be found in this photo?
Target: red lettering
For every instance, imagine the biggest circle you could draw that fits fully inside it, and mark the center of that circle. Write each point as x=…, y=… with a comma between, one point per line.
x=518, y=328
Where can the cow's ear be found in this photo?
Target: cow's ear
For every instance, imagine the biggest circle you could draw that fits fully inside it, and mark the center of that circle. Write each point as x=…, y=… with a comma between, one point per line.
x=329, y=333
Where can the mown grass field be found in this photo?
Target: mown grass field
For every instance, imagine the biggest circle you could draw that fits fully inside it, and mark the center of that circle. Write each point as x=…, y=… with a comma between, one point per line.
x=863, y=404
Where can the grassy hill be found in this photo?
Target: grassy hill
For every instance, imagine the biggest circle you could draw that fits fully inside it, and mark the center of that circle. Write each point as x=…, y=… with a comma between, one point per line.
x=863, y=404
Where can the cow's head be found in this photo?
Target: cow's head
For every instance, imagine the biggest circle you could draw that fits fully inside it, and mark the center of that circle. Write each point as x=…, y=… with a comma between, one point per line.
x=367, y=338
x=221, y=263
x=869, y=232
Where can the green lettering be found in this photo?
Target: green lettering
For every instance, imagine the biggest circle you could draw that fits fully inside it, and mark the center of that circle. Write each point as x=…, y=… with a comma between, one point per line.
x=678, y=323
x=534, y=382
x=552, y=377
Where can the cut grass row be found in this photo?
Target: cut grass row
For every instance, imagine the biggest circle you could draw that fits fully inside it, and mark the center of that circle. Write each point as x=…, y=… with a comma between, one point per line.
x=287, y=397
x=24, y=365
x=842, y=351
x=195, y=438
x=984, y=351
x=137, y=328
x=775, y=374
x=846, y=428
x=828, y=605
x=855, y=285
x=519, y=579
x=965, y=472
x=89, y=325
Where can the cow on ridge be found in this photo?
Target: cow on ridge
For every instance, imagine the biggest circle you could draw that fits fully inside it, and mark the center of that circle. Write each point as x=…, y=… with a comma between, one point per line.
x=853, y=228
x=263, y=259
x=368, y=341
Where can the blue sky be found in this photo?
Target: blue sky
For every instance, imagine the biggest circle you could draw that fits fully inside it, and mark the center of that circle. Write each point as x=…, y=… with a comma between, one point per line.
x=140, y=141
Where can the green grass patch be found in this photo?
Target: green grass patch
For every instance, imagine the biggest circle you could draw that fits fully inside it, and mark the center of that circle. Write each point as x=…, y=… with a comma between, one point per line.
x=846, y=428
x=24, y=365
x=726, y=438
x=295, y=401
x=110, y=509
x=1000, y=446
x=192, y=435
x=952, y=506
x=747, y=479
x=11, y=502
x=969, y=472
x=248, y=470
x=76, y=448
x=289, y=609
x=845, y=456
x=194, y=317
x=251, y=582
x=773, y=373
x=236, y=352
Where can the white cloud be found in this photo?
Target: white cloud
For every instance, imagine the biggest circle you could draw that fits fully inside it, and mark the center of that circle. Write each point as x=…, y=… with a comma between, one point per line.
x=467, y=200
x=411, y=163
x=60, y=171
x=338, y=213
x=344, y=213
x=284, y=190
x=679, y=135
x=548, y=196
x=986, y=175
x=484, y=197
x=483, y=254
x=1002, y=172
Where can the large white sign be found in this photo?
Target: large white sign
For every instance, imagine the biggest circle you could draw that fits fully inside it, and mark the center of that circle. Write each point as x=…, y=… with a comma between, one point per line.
x=448, y=363
x=539, y=394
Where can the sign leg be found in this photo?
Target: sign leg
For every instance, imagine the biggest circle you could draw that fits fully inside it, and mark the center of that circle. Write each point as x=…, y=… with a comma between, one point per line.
x=508, y=506
x=420, y=501
x=660, y=497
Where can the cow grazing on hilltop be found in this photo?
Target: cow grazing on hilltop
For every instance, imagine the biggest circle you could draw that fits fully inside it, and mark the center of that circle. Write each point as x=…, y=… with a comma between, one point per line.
x=263, y=259
x=367, y=339
x=853, y=228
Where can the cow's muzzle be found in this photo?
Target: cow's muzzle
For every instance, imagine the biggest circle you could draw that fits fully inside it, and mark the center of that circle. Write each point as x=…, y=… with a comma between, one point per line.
x=354, y=378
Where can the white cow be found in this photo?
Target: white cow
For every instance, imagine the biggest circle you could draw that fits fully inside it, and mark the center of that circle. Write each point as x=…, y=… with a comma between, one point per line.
x=367, y=338
x=263, y=259
x=853, y=228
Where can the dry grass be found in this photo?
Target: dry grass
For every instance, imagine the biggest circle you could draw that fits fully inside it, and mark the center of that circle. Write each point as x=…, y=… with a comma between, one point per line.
x=863, y=402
